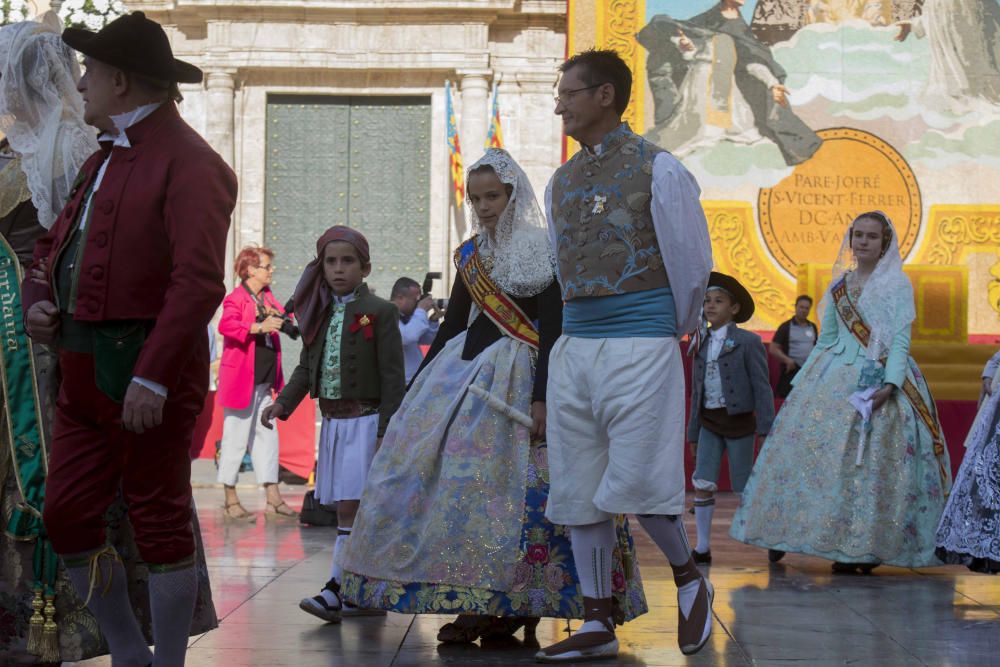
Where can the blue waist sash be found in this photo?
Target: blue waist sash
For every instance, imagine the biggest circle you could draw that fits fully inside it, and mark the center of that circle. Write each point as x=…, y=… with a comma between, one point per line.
x=646, y=314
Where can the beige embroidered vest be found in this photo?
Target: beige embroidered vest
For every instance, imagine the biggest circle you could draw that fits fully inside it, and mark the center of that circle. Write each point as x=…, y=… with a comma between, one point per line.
x=606, y=243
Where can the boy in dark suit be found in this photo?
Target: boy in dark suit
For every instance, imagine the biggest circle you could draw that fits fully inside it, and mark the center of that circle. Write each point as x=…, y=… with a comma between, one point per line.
x=731, y=400
x=352, y=361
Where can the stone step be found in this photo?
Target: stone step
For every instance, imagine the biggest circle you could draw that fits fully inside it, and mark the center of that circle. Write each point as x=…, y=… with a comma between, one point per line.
x=953, y=371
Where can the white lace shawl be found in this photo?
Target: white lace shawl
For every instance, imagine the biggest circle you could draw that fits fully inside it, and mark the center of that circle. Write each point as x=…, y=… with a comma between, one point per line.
x=41, y=111
x=523, y=263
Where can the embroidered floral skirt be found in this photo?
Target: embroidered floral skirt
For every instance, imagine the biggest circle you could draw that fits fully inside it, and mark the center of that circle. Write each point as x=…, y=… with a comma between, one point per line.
x=453, y=514
x=807, y=494
x=969, y=533
x=545, y=579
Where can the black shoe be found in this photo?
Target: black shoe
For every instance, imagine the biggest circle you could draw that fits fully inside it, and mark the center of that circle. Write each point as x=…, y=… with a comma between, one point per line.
x=702, y=558
x=844, y=568
x=318, y=606
x=774, y=555
x=854, y=568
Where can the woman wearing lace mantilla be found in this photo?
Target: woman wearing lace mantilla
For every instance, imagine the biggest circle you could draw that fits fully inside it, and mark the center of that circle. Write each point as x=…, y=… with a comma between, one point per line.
x=452, y=518
x=855, y=469
x=969, y=533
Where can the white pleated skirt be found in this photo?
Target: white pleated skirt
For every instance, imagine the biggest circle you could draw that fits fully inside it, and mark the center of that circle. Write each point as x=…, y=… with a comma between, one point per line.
x=346, y=450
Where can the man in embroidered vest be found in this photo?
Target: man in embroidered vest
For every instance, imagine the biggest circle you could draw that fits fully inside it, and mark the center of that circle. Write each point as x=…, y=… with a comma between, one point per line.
x=634, y=258
x=124, y=285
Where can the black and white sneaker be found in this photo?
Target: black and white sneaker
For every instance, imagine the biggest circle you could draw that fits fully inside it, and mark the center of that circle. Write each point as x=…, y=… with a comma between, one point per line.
x=321, y=605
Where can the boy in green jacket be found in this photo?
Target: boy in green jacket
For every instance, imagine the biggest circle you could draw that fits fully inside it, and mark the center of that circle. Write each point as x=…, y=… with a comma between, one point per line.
x=352, y=361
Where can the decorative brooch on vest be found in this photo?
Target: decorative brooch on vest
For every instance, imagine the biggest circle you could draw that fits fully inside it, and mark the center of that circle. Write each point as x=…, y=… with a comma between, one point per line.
x=599, y=201
x=365, y=324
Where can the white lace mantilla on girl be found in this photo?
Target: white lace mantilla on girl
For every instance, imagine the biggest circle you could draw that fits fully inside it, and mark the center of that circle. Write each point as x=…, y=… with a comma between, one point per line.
x=518, y=247
x=810, y=492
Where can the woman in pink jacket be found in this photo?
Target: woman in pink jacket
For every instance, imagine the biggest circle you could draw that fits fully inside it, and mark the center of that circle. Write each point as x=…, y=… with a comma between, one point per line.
x=249, y=375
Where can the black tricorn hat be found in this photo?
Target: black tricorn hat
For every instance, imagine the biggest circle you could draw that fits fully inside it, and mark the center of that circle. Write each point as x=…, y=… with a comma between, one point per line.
x=739, y=293
x=134, y=44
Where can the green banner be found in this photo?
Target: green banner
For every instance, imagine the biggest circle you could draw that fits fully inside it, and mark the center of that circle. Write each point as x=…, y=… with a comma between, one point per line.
x=23, y=418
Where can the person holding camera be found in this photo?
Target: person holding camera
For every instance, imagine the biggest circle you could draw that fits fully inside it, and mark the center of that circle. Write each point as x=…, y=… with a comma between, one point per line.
x=419, y=321
x=249, y=375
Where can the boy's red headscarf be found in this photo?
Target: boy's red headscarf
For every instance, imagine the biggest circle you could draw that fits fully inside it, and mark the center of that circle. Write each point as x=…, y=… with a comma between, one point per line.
x=312, y=294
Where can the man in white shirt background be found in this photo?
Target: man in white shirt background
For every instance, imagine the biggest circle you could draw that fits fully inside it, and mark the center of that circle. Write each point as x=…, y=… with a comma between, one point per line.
x=418, y=321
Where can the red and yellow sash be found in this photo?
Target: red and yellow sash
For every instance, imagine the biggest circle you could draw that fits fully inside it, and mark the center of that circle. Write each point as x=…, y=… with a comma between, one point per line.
x=499, y=307
x=928, y=412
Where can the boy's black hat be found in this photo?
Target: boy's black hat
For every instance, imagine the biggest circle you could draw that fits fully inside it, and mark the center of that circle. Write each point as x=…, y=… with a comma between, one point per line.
x=135, y=44
x=737, y=291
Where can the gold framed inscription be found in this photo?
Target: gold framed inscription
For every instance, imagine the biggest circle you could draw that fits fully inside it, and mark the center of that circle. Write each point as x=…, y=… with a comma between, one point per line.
x=803, y=218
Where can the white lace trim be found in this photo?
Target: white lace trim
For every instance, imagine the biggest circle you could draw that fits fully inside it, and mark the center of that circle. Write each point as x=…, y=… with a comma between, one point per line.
x=970, y=524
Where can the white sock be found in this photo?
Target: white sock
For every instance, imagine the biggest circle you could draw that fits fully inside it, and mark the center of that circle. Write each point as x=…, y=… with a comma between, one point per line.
x=668, y=534
x=112, y=609
x=593, y=546
x=593, y=626
x=336, y=571
x=704, y=508
x=686, y=596
x=172, y=596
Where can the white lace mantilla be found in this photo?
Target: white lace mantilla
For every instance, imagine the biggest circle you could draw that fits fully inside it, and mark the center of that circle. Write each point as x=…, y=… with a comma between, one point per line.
x=523, y=263
x=41, y=112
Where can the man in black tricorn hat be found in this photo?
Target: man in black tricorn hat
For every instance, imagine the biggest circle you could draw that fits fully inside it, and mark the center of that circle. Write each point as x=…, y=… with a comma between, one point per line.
x=124, y=285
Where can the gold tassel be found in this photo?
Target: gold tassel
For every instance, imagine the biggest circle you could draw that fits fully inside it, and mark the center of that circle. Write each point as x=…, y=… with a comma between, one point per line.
x=36, y=624
x=50, y=632
x=95, y=571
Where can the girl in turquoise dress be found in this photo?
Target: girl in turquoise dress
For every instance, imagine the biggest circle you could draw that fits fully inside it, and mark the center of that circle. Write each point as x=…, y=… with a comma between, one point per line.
x=452, y=519
x=855, y=469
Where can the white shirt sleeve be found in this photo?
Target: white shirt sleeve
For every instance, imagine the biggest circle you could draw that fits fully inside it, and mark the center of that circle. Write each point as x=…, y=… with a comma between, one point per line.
x=682, y=232
x=553, y=240
x=154, y=387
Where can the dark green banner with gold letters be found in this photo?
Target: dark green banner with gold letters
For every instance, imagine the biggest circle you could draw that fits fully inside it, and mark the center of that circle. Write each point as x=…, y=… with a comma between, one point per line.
x=20, y=403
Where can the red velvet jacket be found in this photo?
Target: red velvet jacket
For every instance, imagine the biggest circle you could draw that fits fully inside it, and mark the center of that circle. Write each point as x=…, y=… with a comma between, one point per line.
x=156, y=243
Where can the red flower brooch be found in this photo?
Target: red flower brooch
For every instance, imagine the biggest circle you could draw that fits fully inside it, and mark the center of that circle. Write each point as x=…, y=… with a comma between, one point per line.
x=365, y=324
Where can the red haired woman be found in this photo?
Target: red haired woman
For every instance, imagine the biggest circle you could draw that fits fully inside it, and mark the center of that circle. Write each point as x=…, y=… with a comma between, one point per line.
x=249, y=374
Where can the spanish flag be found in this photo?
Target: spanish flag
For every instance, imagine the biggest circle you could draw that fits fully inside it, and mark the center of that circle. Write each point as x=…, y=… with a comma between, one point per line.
x=494, y=138
x=454, y=149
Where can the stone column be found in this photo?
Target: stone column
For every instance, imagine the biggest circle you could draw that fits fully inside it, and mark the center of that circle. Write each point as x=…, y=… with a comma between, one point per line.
x=475, y=109
x=220, y=122
x=220, y=130
x=539, y=147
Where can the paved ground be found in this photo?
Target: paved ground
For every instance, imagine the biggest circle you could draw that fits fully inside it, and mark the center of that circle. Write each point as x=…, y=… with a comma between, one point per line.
x=794, y=613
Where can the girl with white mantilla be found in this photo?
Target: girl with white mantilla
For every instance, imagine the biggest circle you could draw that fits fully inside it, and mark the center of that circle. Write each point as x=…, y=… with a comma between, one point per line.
x=855, y=469
x=452, y=517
